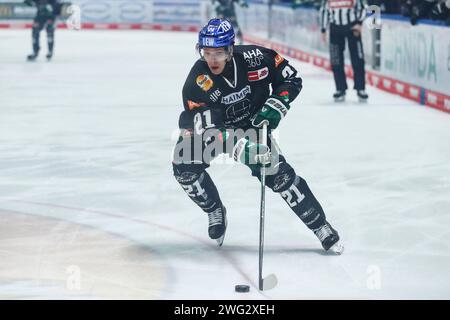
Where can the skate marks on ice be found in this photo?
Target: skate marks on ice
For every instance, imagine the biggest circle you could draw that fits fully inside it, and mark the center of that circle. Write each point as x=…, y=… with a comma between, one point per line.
x=160, y=282
x=46, y=258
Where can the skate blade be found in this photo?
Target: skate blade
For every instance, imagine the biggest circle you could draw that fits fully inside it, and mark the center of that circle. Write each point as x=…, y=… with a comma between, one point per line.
x=361, y=100
x=337, y=248
x=268, y=282
x=220, y=240
x=339, y=99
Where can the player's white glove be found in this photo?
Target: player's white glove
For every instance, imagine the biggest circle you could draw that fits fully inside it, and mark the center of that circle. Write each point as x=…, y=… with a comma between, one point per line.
x=251, y=154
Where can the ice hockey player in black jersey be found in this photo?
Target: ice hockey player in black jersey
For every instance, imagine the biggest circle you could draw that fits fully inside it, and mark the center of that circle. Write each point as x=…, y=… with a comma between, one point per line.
x=225, y=10
x=47, y=12
x=229, y=93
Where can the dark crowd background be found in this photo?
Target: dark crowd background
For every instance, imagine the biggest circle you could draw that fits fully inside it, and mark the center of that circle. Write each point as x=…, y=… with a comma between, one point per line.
x=412, y=9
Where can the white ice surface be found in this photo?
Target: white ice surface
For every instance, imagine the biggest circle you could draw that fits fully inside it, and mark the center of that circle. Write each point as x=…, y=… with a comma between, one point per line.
x=86, y=139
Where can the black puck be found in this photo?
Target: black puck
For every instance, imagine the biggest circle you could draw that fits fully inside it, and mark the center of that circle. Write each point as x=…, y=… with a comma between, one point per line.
x=241, y=288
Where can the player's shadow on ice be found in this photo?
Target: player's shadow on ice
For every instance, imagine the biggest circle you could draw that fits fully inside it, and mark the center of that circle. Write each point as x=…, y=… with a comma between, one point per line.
x=274, y=250
x=179, y=249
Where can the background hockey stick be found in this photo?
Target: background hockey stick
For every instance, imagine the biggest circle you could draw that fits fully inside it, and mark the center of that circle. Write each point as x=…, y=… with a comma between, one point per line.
x=270, y=281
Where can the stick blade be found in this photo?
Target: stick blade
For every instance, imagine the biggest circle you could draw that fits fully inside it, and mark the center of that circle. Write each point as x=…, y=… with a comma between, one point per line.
x=268, y=282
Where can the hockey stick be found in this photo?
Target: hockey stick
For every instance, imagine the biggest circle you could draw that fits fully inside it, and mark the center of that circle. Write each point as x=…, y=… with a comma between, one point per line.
x=275, y=144
x=270, y=281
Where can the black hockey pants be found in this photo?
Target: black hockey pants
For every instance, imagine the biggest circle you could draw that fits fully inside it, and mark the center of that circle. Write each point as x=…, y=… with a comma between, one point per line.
x=38, y=24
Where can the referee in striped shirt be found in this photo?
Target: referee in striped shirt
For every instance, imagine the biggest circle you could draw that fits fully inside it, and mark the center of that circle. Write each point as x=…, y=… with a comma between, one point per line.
x=345, y=19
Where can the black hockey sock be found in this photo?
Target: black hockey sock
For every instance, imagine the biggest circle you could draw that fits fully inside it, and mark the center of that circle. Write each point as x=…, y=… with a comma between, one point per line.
x=35, y=37
x=200, y=188
x=50, y=38
x=295, y=191
x=302, y=201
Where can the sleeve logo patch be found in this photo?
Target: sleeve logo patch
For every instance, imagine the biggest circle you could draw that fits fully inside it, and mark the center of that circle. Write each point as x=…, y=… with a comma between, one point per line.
x=258, y=74
x=278, y=59
x=204, y=82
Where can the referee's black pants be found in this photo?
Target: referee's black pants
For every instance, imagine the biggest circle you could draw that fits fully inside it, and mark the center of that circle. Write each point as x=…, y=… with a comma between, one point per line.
x=39, y=23
x=338, y=34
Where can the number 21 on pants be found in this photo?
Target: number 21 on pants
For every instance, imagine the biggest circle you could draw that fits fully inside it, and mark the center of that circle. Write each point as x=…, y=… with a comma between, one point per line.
x=292, y=196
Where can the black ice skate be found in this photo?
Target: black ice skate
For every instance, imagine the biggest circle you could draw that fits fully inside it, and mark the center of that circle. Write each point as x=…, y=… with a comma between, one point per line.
x=49, y=56
x=32, y=57
x=217, y=224
x=329, y=239
x=339, y=96
x=362, y=95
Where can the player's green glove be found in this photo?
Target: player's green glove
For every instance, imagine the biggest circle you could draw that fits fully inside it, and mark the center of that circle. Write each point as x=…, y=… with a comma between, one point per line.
x=251, y=154
x=273, y=110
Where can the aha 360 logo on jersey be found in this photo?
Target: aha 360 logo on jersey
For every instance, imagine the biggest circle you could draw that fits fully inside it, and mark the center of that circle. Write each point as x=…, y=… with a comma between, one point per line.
x=341, y=4
x=253, y=57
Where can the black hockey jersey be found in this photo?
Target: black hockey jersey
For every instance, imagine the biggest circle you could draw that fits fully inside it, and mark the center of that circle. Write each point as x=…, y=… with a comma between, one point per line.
x=232, y=99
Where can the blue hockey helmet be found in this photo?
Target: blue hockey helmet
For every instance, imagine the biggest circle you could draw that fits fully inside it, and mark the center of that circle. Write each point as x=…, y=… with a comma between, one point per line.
x=216, y=34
